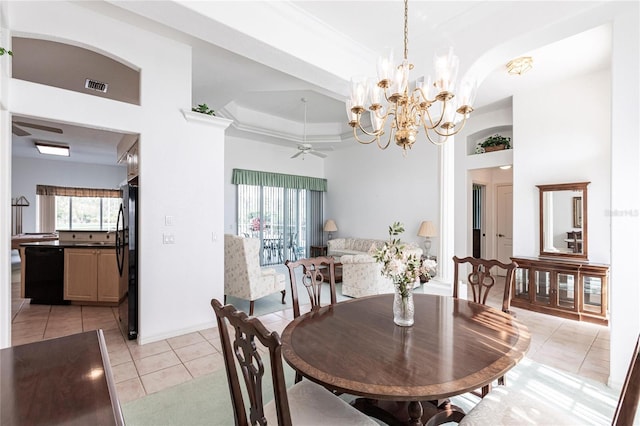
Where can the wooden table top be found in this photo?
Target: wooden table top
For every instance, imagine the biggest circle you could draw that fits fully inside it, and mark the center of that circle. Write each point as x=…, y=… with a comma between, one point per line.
x=63, y=381
x=455, y=346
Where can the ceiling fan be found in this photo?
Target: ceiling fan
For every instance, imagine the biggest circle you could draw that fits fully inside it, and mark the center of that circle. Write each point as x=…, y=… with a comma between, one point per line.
x=18, y=131
x=304, y=147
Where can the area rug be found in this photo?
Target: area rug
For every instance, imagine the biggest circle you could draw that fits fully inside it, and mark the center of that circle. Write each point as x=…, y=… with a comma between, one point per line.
x=202, y=401
x=206, y=400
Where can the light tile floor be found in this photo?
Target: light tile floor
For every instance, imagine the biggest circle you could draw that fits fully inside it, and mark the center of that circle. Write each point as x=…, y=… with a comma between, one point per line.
x=140, y=370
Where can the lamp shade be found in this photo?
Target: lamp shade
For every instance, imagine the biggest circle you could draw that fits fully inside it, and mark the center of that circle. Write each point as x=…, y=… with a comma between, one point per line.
x=427, y=229
x=330, y=226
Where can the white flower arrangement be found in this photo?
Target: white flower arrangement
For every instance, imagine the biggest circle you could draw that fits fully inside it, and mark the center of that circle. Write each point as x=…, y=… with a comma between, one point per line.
x=398, y=265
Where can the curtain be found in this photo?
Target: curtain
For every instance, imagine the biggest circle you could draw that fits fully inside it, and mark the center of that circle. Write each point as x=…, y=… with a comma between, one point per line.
x=77, y=192
x=315, y=217
x=46, y=213
x=277, y=180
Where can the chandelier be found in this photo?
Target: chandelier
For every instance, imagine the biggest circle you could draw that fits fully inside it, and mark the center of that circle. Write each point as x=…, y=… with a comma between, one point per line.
x=432, y=106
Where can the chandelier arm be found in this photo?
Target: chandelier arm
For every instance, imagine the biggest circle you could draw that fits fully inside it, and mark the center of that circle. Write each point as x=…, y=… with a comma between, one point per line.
x=387, y=144
x=426, y=132
x=363, y=130
x=355, y=135
x=431, y=124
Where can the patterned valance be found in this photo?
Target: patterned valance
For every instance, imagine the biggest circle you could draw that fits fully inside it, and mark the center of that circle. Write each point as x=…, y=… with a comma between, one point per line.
x=277, y=180
x=65, y=191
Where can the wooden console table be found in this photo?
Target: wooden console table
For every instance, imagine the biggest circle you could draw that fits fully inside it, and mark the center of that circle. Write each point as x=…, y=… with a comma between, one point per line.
x=59, y=381
x=565, y=288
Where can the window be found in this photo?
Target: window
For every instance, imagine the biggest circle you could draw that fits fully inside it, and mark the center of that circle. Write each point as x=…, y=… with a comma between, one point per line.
x=86, y=213
x=77, y=208
x=284, y=211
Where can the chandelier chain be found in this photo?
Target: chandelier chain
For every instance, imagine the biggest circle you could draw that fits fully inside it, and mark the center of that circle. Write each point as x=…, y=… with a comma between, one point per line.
x=406, y=29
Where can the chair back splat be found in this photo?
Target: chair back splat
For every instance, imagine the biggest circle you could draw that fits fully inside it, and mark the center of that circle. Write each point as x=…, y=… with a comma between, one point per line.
x=243, y=349
x=627, y=408
x=482, y=280
x=315, y=272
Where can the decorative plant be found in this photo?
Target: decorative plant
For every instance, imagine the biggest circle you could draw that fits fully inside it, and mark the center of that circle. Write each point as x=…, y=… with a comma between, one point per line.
x=496, y=140
x=3, y=51
x=397, y=264
x=203, y=109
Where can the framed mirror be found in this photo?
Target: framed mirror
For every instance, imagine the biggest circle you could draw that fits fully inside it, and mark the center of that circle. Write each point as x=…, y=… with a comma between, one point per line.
x=563, y=220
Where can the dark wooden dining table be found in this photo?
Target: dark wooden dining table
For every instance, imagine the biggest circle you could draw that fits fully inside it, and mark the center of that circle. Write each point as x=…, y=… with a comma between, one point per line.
x=62, y=381
x=405, y=375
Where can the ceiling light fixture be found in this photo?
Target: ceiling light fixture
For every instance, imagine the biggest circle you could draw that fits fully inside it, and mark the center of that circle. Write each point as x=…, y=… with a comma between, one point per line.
x=52, y=149
x=432, y=105
x=520, y=65
x=505, y=167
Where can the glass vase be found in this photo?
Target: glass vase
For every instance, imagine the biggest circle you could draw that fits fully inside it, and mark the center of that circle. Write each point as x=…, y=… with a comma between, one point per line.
x=403, y=309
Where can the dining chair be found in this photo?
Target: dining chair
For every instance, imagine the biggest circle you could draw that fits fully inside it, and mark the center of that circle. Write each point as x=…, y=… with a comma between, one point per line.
x=303, y=403
x=481, y=280
x=505, y=406
x=314, y=271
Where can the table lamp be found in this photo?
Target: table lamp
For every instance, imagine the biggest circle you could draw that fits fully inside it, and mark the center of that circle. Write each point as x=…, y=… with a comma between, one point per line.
x=330, y=227
x=427, y=230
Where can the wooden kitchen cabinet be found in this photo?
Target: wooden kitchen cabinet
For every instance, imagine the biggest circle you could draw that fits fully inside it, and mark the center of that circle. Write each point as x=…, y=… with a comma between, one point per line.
x=565, y=288
x=91, y=275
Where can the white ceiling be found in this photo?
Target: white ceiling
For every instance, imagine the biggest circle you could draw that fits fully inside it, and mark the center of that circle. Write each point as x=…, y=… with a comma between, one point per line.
x=248, y=77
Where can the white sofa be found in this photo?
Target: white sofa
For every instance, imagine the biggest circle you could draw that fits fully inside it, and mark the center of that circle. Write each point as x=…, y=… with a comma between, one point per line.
x=360, y=272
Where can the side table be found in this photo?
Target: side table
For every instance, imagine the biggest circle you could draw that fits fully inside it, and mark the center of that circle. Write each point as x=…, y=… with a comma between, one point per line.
x=315, y=251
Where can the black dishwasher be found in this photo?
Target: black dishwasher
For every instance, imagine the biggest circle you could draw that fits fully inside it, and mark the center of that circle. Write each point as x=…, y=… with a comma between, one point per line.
x=44, y=275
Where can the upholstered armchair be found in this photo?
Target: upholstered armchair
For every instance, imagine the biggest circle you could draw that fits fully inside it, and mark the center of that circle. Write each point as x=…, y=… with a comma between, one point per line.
x=243, y=277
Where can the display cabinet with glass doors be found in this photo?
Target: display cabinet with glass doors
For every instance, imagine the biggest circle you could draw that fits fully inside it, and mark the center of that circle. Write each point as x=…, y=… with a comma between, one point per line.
x=565, y=288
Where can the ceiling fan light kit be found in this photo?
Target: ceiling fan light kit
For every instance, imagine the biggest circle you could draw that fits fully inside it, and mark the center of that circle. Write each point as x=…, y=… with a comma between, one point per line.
x=306, y=148
x=432, y=105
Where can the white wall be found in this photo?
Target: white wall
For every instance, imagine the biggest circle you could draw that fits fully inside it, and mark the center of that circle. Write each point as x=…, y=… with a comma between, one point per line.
x=369, y=189
x=625, y=192
x=181, y=162
x=251, y=155
x=26, y=173
x=576, y=128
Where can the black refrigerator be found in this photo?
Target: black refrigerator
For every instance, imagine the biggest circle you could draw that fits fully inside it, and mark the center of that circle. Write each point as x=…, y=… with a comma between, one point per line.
x=127, y=258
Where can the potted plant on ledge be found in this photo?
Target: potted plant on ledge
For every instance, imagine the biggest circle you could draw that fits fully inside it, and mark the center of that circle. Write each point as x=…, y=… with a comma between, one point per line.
x=496, y=142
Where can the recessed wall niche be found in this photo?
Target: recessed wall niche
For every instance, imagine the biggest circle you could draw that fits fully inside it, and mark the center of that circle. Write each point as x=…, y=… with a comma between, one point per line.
x=475, y=138
x=70, y=67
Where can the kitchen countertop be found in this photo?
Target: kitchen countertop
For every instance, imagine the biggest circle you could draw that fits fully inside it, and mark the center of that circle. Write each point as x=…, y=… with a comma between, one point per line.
x=71, y=244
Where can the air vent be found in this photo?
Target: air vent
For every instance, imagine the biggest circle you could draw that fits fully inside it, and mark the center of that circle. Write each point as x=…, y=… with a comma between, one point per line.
x=96, y=85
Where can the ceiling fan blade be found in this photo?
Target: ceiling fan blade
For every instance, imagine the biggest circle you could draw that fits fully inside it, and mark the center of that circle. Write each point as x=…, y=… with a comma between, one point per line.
x=18, y=131
x=297, y=154
x=39, y=127
x=318, y=154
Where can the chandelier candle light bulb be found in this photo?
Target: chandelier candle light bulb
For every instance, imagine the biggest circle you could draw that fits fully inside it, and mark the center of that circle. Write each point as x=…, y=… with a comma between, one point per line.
x=408, y=110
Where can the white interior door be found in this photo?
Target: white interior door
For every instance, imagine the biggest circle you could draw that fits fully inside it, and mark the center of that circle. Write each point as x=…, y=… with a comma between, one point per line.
x=504, y=223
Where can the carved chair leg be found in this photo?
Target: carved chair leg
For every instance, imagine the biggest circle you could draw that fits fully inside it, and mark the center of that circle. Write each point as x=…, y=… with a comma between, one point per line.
x=502, y=381
x=485, y=390
x=284, y=293
x=298, y=377
x=251, y=303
